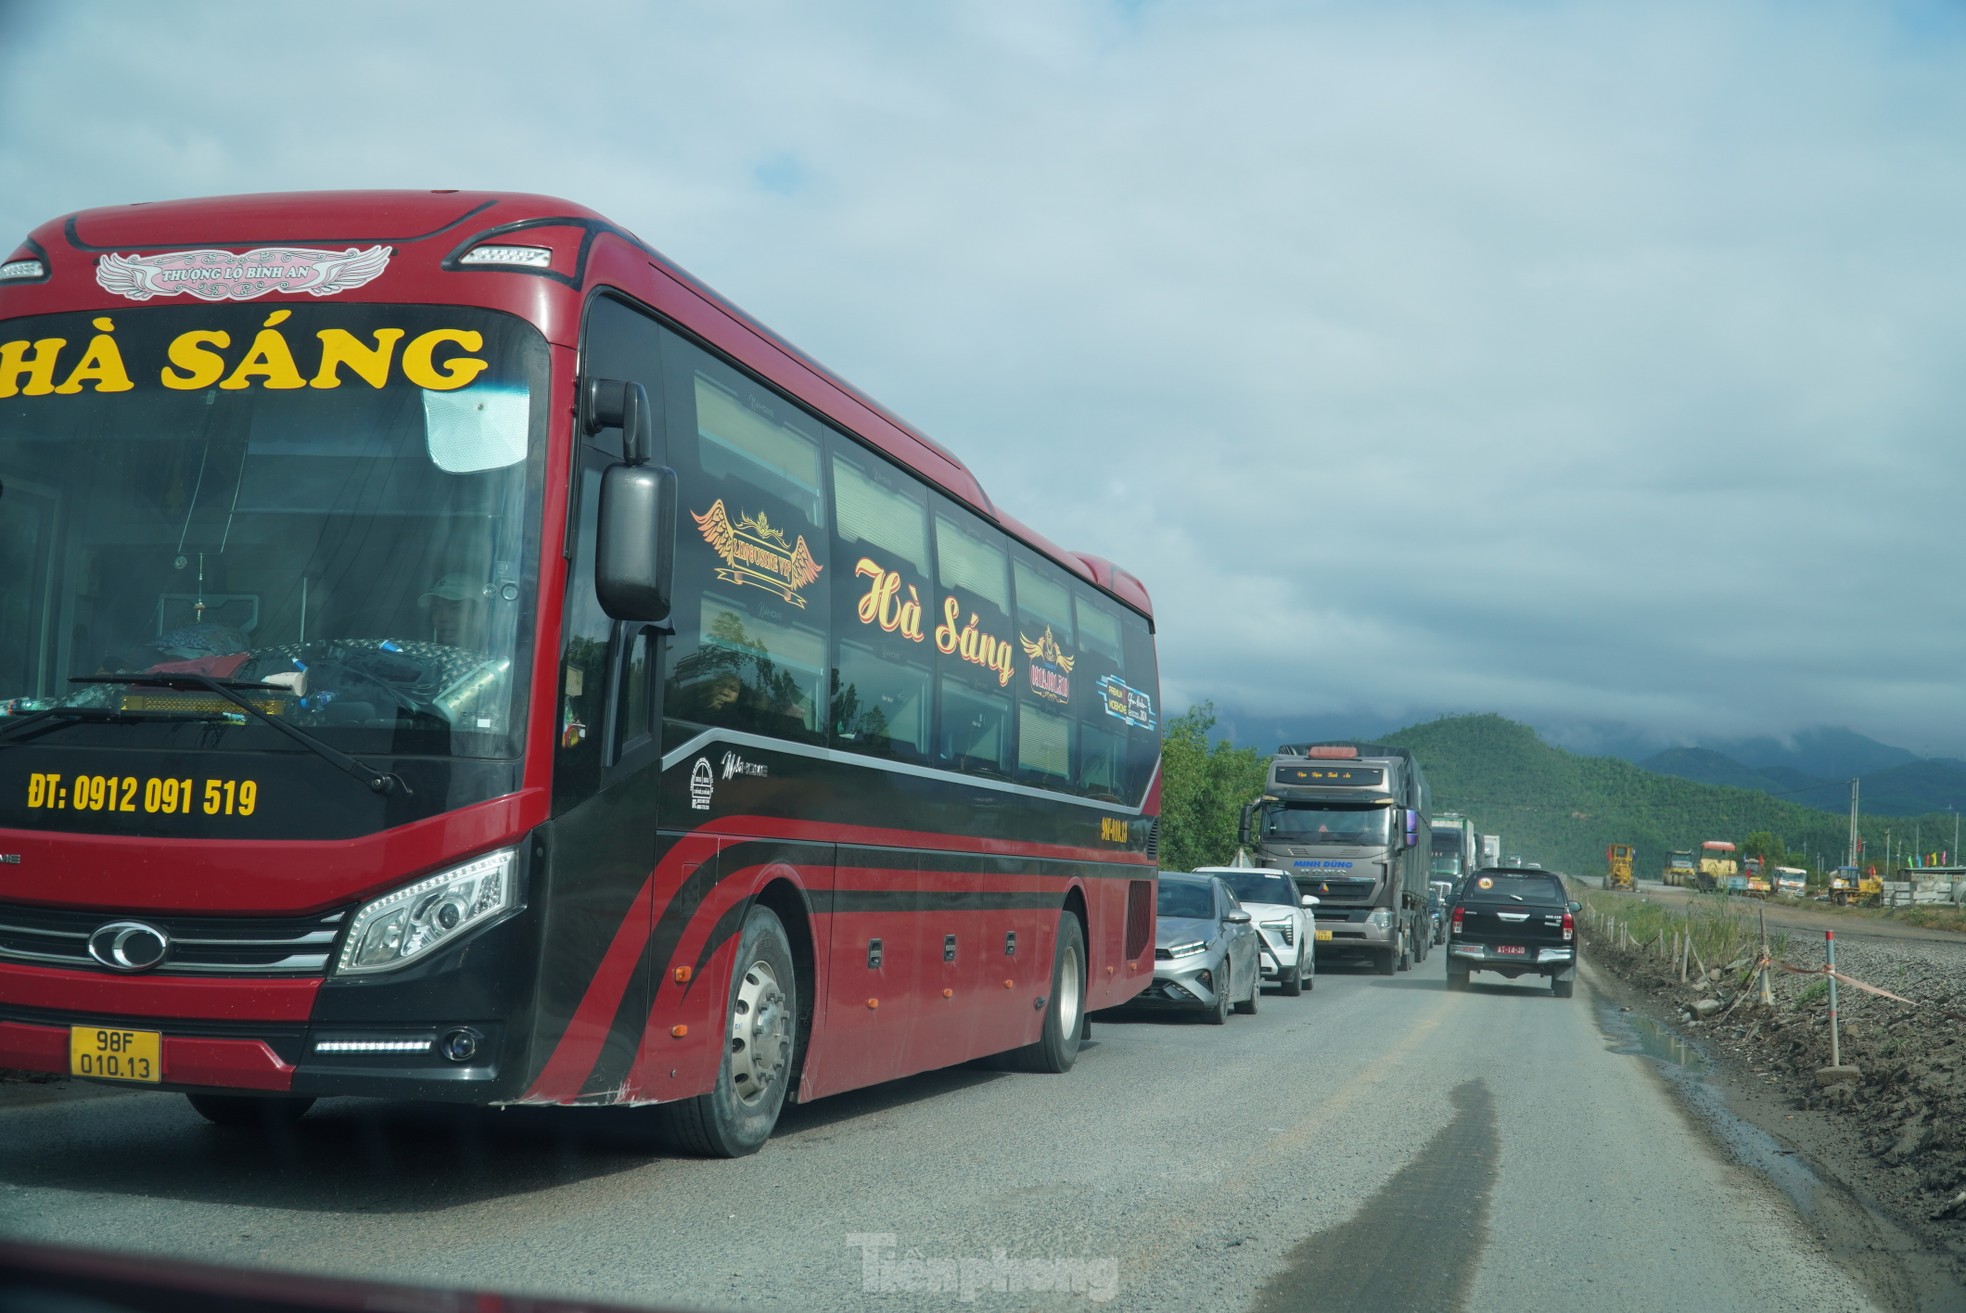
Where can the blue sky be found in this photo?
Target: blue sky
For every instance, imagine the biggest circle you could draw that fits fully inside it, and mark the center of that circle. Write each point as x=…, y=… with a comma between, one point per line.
x=1582, y=362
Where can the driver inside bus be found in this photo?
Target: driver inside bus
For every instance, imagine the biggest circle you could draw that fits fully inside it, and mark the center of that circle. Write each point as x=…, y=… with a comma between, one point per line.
x=459, y=613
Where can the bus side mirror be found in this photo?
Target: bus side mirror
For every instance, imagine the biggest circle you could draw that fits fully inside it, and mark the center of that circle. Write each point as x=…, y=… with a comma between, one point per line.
x=635, y=546
x=613, y=404
x=1245, y=829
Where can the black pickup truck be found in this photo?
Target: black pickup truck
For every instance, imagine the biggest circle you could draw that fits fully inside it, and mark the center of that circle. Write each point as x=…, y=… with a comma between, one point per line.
x=1516, y=921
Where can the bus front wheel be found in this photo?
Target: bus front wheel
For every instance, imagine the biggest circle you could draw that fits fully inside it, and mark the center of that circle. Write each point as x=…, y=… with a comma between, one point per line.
x=736, y=1117
x=1057, y=1047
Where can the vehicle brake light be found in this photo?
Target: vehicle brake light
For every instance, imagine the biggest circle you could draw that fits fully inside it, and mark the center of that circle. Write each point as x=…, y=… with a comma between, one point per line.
x=1456, y=927
x=1569, y=926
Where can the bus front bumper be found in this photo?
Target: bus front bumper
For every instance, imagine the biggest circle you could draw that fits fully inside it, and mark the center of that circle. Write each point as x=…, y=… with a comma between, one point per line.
x=196, y=1034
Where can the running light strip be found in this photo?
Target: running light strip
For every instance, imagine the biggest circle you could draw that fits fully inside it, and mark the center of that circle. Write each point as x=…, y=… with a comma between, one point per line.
x=372, y=1046
x=18, y=269
x=527, y=257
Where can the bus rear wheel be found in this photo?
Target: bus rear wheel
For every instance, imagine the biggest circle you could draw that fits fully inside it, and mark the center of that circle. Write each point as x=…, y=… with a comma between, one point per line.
x=736, y=1117
x=1057, y=1047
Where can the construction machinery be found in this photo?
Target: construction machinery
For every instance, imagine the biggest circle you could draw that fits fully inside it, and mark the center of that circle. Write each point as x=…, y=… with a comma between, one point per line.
x=1791, y=881
x=1718, y=870
x=1754, y=876
x=1849, y=885
x=1680, y=870
x=1618, y=866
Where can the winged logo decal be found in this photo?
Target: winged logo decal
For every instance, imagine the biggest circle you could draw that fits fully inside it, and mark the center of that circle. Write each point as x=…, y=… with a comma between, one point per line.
x=241, y=275
x=756, y=554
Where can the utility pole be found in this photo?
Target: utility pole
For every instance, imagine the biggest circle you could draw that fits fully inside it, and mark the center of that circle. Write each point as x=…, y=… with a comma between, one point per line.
x=1853, y=820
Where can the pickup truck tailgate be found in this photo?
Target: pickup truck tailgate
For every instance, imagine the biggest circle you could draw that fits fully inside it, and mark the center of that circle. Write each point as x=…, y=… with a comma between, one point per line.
x=1504, y=925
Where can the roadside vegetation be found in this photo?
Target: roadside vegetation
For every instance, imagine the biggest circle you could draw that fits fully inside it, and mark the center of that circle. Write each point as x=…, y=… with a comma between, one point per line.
x=1722, y=930
x=1203, y=788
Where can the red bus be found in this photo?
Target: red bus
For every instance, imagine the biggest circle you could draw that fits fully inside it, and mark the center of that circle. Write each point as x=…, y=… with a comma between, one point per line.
x=447, y=652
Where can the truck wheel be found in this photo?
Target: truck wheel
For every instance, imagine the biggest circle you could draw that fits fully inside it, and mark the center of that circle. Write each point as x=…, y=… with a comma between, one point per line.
x=735, y=1118
x=1057, y=1047
x=1457, y=977
x=1562, y=988
x=1405, y=951
x=1389, y=961
x=264, y=1111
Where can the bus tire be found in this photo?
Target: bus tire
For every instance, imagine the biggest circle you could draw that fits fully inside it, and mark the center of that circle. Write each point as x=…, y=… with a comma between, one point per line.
x=736, y=1117
x=1065, y=1026
x=248, y=1109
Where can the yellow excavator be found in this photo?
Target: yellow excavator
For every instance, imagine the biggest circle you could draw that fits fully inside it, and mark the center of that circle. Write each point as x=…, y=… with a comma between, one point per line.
x=1618, y=866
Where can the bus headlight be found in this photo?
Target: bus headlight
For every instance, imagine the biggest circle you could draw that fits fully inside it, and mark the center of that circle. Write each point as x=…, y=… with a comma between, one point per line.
x=403, y=926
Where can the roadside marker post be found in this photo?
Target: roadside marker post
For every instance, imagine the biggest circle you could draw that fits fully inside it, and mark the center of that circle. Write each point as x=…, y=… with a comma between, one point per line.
x=1835, y=1047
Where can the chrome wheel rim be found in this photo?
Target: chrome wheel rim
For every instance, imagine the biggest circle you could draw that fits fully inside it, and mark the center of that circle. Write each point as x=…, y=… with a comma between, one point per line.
x=760, y=1034
x=1069, y=997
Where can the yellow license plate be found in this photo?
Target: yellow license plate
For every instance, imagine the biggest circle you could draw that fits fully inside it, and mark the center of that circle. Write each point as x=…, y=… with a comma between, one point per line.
x=104, y=1054
x=1323, y=935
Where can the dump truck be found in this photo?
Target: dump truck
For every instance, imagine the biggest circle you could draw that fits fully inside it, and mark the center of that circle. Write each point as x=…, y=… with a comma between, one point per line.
x=1618, y=866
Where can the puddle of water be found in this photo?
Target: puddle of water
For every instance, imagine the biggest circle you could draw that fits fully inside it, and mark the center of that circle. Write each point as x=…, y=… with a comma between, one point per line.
x=1652, y=1039
x=1859, y=1236
x=1685, y=1066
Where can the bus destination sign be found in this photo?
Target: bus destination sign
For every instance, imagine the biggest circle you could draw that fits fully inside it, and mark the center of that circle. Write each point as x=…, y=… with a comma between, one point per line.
x=1344, y=777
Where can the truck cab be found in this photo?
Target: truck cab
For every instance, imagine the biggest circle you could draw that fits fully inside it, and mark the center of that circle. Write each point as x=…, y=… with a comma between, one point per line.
x=1350, y=823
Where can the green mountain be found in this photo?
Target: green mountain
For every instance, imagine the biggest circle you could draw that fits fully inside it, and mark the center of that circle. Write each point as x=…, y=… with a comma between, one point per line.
x=1561, y=810
x=1705, y=766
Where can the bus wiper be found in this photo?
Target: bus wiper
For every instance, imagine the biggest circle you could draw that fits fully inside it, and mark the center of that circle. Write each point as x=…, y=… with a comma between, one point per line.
x=14, y=725
x=377, y=781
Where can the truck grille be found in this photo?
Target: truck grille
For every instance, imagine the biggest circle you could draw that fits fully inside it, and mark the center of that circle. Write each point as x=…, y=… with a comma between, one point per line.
x=203, y=946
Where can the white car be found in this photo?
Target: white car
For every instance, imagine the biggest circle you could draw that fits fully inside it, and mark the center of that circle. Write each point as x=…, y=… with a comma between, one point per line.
x=1284, y=918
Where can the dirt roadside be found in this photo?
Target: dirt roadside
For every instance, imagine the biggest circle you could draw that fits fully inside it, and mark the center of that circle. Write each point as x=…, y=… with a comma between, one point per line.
x=1814, y=918
x=1893, y=1143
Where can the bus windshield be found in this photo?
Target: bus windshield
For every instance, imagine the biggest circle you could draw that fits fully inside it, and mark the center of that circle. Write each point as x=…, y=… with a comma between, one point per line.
x=1310, y=822
x=330, y=508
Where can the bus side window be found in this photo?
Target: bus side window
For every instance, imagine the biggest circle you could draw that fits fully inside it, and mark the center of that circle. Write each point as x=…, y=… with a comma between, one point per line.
x=754, y=566
x=976, y=725
x=881, y=700
x=1047, y=658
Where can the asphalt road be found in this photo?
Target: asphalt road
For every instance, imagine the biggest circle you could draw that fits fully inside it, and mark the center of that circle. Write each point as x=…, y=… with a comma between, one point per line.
x=1377, y=1144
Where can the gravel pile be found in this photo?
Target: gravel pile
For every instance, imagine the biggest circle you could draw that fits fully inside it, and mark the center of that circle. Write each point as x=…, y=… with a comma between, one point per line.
x=1908, y=1101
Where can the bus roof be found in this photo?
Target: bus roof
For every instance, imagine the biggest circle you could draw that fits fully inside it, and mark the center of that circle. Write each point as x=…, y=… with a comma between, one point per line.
x=429, y=230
